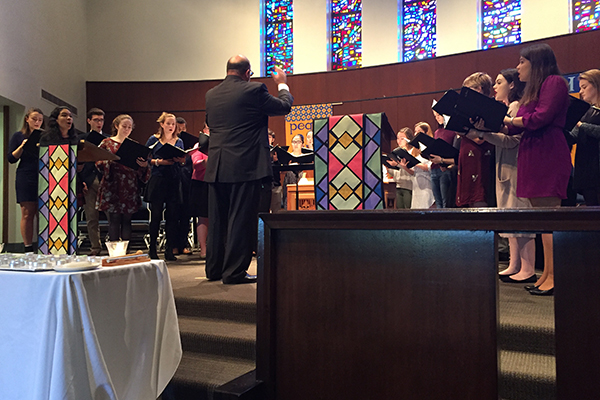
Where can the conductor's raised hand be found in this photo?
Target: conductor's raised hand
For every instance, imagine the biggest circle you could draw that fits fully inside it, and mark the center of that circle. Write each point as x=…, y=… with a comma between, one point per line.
x=279, y=75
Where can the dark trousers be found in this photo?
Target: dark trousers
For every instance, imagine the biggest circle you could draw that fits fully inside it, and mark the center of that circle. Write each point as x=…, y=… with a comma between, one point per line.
x=232, y=213
x=156, y=216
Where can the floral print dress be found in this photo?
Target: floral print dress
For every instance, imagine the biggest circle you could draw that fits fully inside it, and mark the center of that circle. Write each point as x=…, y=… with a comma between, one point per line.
x=119, y=189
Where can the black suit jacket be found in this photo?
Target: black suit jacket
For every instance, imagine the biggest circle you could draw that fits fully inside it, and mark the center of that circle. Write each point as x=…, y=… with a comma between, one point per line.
x=237, y=113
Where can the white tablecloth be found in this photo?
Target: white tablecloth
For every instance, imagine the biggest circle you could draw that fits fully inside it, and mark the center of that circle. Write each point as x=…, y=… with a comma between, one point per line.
x=109, y=333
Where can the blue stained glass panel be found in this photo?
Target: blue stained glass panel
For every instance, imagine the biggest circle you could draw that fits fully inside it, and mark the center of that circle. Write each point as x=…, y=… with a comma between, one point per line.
x=346, y=6
x=586, y=15
x=501, y=23
x=418, y=29
x=279, y=35
x=346, y=34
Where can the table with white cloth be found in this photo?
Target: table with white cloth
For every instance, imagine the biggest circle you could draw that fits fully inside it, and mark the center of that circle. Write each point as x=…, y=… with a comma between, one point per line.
x=108, y=333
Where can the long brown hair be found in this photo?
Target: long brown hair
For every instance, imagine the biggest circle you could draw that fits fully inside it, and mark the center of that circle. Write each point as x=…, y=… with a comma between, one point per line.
x=25, y=130
x=543, y=64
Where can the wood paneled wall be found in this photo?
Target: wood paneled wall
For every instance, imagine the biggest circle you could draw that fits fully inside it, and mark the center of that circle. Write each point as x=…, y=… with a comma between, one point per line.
x=403, y=91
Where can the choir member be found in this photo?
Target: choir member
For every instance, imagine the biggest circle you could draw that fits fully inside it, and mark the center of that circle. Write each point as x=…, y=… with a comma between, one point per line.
x=586, y=177
x=27, y=173
x=509, y=90
x=118, y=192
x=544, y=162
x=164, y=186
x=475, y=160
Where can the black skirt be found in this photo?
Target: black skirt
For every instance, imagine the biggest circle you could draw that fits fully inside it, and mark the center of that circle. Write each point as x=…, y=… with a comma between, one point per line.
x=163, y=190
x=198, y=201
x=27, y=186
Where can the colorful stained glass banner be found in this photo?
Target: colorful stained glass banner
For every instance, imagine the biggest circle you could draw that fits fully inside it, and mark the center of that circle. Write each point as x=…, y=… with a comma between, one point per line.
x=348, y=164
x=57, y=199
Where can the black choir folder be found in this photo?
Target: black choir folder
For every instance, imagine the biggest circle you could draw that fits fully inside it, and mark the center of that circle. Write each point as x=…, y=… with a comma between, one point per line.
x=438, y=147
x=31, y=146
x=130, y=151
x=285, y=158
x=471, y=105
x=188, y=140
x=399, y=153
x=95, y=137
x=577, y=109
x=168, y=152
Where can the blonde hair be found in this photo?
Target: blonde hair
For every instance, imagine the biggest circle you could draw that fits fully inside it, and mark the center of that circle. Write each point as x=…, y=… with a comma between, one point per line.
x=117, y=121
x=593, y=77
x=163, y=117
x=482, y=80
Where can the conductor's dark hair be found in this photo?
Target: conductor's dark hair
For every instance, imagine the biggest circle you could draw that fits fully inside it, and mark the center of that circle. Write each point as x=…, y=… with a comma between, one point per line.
x=240, y=66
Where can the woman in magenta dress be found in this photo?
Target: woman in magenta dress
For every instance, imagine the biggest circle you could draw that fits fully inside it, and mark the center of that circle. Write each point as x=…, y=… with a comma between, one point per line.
x=544, y=162
x=118, y=194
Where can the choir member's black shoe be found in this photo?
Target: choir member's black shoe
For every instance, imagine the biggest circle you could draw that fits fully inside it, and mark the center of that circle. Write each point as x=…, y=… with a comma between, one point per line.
x=169, y=256
x=539, y=292
x=246, y=279
x=530, y=287
x=152, y=254
x=508, y=279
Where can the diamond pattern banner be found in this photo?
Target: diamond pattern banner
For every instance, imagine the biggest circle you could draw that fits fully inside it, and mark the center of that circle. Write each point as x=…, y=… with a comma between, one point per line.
x=57, y=199
x=348, y=161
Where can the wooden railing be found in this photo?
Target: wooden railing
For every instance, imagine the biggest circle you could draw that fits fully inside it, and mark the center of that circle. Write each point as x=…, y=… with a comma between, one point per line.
x=403, y=304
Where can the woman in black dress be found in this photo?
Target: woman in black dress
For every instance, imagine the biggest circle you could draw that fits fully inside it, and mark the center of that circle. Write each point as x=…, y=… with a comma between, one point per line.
x=164, y=186
x=27, y=173
x=586, y=177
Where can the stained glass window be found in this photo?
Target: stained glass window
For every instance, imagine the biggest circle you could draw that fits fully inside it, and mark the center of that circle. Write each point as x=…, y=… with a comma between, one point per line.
x=501, y=23
x=418, y=29
x=279, y=38
x=586, y=15
x=346, y=34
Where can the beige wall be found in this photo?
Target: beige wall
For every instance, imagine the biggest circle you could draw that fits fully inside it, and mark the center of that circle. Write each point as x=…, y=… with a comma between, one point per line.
x=146, y=40
x=177, y=40
x=380, y=32
x=544, y=18
x=310, y=36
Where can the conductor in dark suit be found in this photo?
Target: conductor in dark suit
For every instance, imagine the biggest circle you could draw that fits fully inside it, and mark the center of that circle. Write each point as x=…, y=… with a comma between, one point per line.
x=237, y=113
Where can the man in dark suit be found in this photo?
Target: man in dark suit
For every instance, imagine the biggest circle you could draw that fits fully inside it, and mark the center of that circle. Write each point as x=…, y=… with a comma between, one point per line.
x=237, y=112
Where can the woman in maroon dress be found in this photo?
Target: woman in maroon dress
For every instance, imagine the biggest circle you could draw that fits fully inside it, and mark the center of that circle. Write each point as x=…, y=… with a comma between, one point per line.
x=118, y=194
x=544, y=162
x=475, y=186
